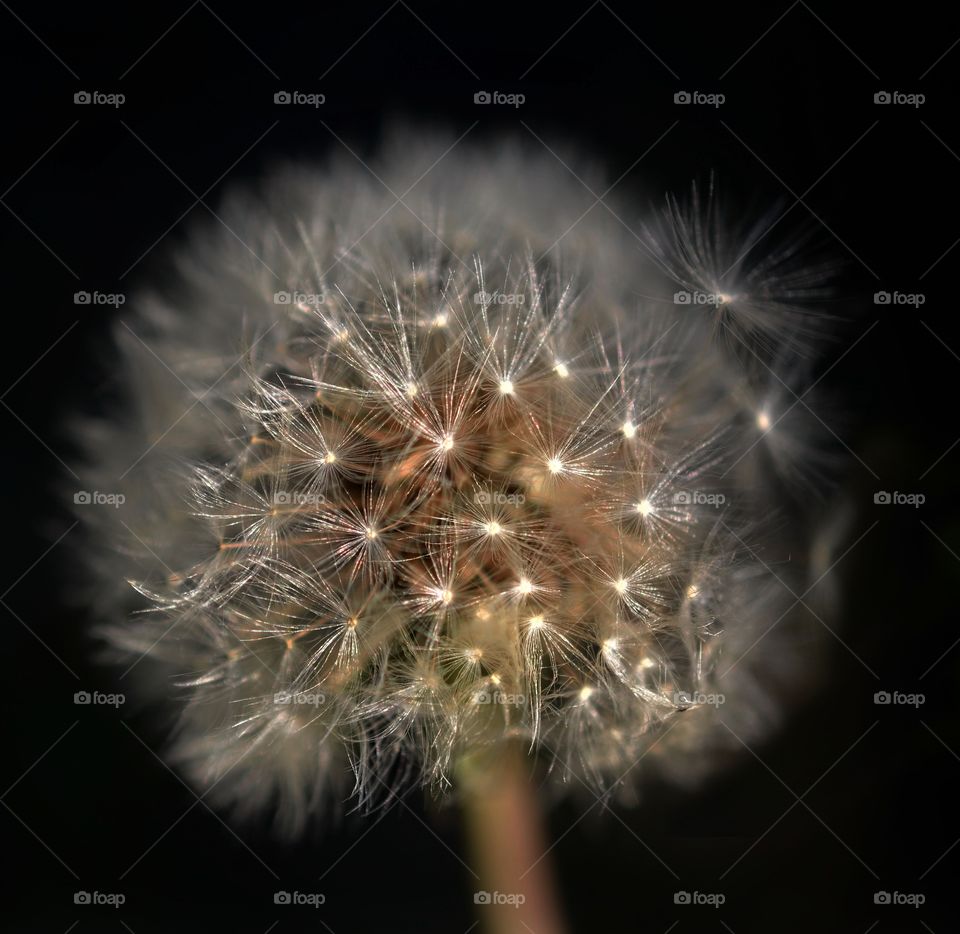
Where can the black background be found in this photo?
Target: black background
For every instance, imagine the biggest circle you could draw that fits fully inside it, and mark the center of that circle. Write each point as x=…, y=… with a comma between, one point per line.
x=85, y=199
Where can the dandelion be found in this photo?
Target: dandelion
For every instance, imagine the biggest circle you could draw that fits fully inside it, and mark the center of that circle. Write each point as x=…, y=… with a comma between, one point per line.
x=401, y=498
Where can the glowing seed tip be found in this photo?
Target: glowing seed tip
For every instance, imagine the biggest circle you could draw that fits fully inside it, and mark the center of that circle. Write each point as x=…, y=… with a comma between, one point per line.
x=506, y=387
x=763, y=421
x=554, y=465
x=629, y=430
x=561, y=370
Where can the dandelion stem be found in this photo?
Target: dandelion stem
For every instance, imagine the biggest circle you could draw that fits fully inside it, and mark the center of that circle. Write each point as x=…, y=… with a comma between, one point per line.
x=508, y=845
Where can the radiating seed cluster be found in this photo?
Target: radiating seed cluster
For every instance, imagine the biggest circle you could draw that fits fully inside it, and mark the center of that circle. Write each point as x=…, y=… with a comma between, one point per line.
x=417, y=480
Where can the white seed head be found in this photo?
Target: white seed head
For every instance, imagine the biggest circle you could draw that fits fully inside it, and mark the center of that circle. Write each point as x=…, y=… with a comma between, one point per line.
x=374, y=537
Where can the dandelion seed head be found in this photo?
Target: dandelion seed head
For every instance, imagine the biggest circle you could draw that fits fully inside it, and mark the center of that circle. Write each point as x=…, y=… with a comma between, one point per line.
x=401, y=496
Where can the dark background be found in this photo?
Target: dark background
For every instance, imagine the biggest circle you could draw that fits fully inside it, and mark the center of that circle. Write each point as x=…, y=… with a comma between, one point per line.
x=86, y=801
